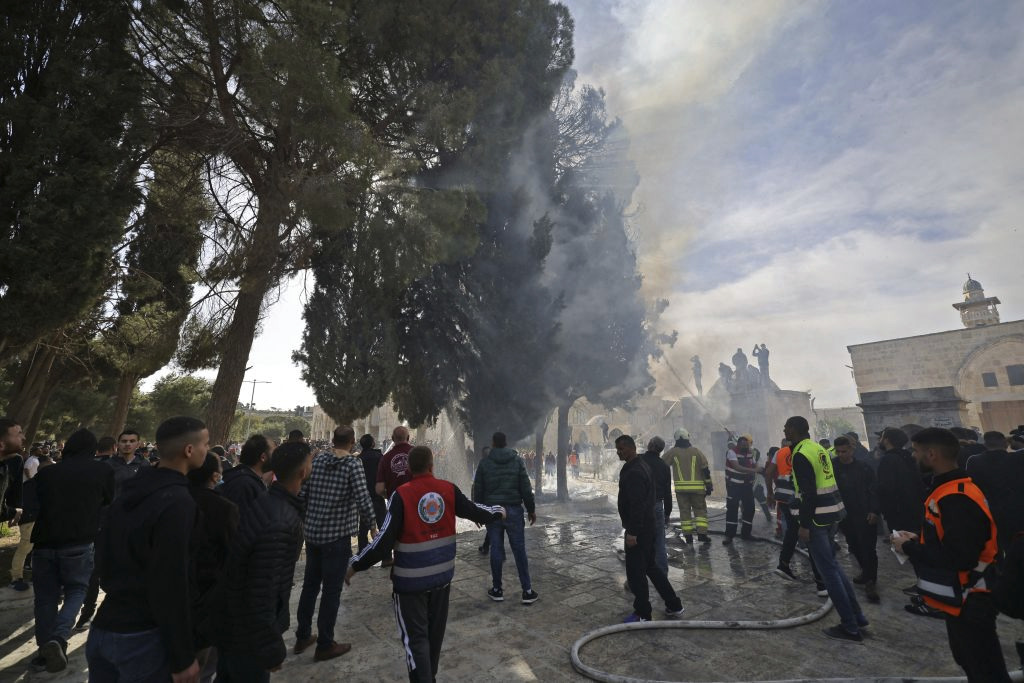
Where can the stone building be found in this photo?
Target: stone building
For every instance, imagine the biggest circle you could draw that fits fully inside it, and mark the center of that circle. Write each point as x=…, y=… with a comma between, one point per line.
x=971, y=377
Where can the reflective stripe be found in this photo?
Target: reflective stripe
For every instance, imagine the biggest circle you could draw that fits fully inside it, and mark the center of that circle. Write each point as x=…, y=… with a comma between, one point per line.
x=936, y=588
x=424, y=545
x=415, y=572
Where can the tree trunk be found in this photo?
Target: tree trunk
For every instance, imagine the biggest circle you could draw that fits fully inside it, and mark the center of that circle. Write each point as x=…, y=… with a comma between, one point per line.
x=124, y=398
x=421, y=435
x=31, y=383
x=260, y=261
x=538, y=458
x=563, y=451
x=37, y=413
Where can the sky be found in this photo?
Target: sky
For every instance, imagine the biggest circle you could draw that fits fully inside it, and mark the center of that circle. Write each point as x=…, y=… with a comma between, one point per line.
x=813, y=175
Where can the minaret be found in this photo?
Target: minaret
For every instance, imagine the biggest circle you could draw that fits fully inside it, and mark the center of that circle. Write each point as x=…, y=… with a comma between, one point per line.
x=977, y=310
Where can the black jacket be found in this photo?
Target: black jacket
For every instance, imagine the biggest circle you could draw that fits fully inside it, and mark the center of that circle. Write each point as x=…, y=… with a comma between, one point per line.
x=636, y=498
x=858, y=489
x=965, y=532
x=7, y=512
x=71, y=495
x=218, y=523
x=253, y=599
x=900, y=491
x=370, y=458
x=145, y=556
x=123, y=471
x=1000, y=476
x=662, y=475
x=242, y=486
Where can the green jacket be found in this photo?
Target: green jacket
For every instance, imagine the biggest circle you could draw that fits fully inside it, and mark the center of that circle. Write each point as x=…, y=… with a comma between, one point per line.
x=501, y=479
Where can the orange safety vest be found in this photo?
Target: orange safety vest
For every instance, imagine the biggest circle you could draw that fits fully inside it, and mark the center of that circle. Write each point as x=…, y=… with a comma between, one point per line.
x=945, y=589
x=784, y=490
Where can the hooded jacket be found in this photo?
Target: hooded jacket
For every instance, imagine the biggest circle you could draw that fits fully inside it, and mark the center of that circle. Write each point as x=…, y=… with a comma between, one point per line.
x=242, y=486
x=501, y=479
x=145, y=557
x=70, y=496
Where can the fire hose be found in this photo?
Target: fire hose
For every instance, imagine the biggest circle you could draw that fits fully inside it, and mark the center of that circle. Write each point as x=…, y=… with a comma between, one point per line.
x=598, y=675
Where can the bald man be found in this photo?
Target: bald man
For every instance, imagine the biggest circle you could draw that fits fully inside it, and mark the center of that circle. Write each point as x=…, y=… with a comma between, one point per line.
x=393, y=470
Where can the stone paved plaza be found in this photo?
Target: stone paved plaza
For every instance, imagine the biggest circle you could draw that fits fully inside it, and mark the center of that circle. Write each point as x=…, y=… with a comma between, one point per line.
x=576, y=570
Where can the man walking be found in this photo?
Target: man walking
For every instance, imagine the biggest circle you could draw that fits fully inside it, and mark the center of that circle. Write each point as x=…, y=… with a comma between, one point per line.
x=70, y=495
x=856, y=482
x=662, y=478
x=692, y=481
x=369, y=456
x=12, y=440
x=954, y=557
x=501, y=479
x=739, y=487
x=259, y=573
x=143, y=629
x=393, y=470
x=1000, y=476
x=336, y=498
x=820, y=509
x=420, y=527
x=244, y=484
x=900, y=489
x=636, y=511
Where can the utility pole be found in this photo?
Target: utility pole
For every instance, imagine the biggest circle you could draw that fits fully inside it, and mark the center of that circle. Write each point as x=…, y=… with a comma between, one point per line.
x=252, y=401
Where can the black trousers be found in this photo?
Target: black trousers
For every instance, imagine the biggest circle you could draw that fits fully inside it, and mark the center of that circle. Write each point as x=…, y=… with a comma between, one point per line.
x=422, y=618
x=861, y=537
x=380, y=511
x=974, y=642
x=790, y=539
x=640, y=566
x=737, y=494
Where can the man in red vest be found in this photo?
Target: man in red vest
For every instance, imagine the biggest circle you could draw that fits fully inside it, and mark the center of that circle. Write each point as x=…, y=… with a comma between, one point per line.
x=954, y=557
x=420, y=527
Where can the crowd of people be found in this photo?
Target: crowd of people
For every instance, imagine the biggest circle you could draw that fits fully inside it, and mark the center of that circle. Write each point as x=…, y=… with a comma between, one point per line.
x=195, y=546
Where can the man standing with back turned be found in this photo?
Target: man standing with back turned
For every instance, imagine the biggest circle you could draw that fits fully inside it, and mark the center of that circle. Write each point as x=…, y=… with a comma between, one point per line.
x=501, y=479
x=421, y=528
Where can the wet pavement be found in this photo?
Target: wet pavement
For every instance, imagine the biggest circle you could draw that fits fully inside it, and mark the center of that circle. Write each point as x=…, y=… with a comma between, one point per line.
x=578, y=574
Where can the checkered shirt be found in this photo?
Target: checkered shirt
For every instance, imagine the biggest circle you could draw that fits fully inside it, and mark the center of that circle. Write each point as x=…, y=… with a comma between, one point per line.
x=336, y=497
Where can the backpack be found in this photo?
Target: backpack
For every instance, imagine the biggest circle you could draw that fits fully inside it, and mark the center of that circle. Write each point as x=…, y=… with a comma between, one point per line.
x=1009, y=589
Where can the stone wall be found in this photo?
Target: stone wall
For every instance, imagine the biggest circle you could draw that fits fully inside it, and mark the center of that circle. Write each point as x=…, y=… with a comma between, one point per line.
x=959, y=359
x=927, y=407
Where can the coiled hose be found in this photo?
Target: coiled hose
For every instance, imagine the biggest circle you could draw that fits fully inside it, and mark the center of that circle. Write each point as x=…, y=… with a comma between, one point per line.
x=790, y=622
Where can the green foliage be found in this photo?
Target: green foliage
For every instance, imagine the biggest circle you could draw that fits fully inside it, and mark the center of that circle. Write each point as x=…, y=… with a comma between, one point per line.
x=69, y=152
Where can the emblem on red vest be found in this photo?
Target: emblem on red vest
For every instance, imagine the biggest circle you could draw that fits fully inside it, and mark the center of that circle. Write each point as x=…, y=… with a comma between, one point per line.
x=431, y=507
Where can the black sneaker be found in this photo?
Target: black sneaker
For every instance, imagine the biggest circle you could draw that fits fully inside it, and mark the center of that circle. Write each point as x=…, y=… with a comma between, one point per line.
x=911, y=590
x=496, y=594
x=821, y=591
x=704, y=538
x=727, y=540
x=37, y=664
x=859, y=580
x=840, y=633
x=785, y=572
x=484, y=549
x=530, y=597
x=54, y=656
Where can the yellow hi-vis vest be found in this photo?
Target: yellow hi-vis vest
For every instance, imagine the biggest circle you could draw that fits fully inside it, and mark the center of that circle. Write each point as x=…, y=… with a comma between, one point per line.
x=828, y=508
x=687, y=470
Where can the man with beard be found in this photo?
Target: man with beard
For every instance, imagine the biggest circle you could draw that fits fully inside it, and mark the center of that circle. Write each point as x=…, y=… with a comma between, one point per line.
x=954, y=557
x=856, y=482
x=244, y=484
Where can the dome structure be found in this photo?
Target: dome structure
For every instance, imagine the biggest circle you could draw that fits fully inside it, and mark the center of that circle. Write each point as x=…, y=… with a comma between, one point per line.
x=972, y=285
x=977, y=310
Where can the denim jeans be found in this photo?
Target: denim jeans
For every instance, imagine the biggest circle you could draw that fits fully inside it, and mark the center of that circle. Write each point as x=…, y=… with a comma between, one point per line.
x=660, y=551
x=126, y=657
x=840, y=590
x=515, y=526
x=325, y=566
x=55, y=572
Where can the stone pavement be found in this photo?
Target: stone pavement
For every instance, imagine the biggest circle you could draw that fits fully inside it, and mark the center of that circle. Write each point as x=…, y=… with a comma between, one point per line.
x=579, y=577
